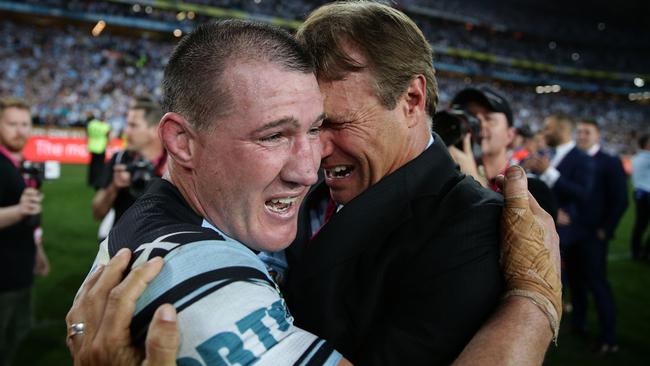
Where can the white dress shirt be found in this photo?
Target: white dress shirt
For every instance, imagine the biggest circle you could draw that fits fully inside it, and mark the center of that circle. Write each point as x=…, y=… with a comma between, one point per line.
x=551, y=175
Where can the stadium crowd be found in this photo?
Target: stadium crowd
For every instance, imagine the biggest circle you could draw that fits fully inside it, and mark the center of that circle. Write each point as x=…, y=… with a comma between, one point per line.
x=501, y=29
x=69, y=76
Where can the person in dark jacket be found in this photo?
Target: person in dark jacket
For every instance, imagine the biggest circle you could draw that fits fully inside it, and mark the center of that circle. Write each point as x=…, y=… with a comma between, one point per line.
x=607, y=204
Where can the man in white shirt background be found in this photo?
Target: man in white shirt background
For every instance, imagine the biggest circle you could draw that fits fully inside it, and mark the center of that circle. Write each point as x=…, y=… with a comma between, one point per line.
x=569, y=172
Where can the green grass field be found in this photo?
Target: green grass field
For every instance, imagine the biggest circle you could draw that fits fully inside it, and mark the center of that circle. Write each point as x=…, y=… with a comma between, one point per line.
x=70, y=240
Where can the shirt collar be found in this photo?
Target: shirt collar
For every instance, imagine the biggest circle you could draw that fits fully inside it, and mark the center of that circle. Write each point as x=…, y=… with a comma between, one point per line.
x=430, y=142
x=565, y=148
x=4, y=151
x=208, y=225
x=593, y=150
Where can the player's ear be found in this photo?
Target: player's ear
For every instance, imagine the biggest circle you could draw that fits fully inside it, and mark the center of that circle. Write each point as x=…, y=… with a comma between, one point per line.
x=177, y=136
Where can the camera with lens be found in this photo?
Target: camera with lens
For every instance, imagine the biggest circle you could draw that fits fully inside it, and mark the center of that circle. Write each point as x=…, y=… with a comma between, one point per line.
x=452, y=125
x=142, y=172
x=33, y=173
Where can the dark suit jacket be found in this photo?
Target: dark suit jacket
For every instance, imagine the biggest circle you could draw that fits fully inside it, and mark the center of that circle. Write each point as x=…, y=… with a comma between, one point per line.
x=543, y=195
x=573, y=192
x=406, y=272
x=608, y=200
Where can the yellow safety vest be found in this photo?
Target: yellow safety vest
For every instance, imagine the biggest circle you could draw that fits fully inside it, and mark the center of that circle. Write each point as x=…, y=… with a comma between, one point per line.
x=97, y=136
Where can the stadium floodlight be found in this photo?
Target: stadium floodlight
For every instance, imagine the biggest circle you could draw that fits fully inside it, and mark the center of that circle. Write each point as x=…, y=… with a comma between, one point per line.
x=136, y=8
x=190, y=15
x=98, y=28
x=575, y=56
x=552, y=45
x=556, y=88
x=639, y=82
x=180, y=16
x=178, y=33
x=539, y=89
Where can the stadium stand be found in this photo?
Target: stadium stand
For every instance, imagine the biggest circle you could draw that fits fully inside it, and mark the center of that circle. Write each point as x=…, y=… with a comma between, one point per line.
x=68, y=74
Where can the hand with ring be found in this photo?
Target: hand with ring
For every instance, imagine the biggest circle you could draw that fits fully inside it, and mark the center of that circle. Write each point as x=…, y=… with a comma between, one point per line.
x=98, y=322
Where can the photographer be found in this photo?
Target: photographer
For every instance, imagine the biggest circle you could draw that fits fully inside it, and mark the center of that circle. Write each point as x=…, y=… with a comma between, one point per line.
x=20, y=246
x=129, y=171
x=478, y=130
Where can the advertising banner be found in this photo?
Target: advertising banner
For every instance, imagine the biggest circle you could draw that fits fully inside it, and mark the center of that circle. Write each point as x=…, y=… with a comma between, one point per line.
x=67, y=150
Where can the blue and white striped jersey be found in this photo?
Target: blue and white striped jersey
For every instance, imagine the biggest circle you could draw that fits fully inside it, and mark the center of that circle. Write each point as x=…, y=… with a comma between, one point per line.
x=230, y=311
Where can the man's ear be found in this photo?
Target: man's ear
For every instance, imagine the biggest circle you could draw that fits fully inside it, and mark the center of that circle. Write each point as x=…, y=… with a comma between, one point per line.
x=178, y=138
x=416, y=100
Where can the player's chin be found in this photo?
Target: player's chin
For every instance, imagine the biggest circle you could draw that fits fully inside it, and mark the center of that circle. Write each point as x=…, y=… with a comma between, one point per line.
x=275, y=238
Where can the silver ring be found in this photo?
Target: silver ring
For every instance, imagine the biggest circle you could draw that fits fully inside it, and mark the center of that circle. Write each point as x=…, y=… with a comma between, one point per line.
x=76, y=329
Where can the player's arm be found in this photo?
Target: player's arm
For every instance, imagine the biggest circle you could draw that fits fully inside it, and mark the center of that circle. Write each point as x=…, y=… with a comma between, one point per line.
x=519, y=332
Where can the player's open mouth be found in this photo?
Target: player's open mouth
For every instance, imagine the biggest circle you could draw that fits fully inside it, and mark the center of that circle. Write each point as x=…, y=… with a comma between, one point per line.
x=280, y=205
x=338, y=172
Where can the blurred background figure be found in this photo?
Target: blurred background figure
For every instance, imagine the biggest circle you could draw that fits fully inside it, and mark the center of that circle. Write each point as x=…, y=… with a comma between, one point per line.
x=98, y=132
x=569, y=172
x=607, y=203
x=641, y=184
x=129, y=171
x=21, y=248
x=523, y=145
x=491, y=156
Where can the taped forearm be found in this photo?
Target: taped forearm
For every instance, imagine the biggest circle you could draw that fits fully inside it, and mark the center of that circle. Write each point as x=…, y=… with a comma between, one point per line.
x=528, y=267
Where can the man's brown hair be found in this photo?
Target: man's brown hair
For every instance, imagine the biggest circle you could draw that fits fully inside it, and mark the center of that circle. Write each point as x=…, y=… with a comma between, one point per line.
x=13, y=102
x=394, y=47
x=152, y=110
x=592, y=122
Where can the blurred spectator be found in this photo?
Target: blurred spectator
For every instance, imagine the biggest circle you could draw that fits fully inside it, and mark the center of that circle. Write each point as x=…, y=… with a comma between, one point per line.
x=98, y=133
x=607, y=204
x=497, y=133
x=641, y=184
x=130, y=171
x=21, y=249
x=523, y=136
x=569, y=172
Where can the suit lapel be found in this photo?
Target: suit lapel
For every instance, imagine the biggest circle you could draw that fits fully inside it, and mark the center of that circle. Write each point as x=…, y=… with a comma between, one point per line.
x=567, y=162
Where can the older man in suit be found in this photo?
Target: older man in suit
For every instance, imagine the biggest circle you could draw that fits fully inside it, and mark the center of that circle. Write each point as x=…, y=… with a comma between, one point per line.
x=409, y=227
x=607, y=204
